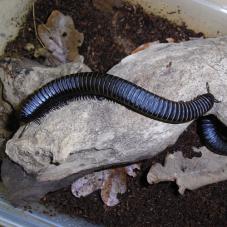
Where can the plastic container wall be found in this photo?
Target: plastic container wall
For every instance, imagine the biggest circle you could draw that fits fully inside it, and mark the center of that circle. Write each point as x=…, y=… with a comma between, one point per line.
x=207, y=16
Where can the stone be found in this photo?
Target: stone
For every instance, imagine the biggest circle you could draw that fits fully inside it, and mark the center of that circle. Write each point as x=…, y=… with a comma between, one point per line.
x=21, y=77
x=5, y=134
x=92, y=134
x=29, y=47
x=190, y=173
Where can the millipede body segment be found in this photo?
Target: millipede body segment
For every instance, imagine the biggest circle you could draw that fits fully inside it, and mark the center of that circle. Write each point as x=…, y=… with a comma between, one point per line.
x=213, y=134
x=58, y=92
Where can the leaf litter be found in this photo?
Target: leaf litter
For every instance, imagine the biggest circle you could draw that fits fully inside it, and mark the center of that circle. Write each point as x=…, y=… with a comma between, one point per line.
x=60, y=38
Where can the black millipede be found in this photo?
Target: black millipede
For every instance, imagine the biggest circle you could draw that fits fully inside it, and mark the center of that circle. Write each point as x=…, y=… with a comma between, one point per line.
x=213, y=134
x=100, y=85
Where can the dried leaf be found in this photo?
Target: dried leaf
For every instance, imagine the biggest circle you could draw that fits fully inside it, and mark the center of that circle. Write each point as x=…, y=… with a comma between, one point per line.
x=190, y=173
x=111, y=182
x=60, y=37
x=89, y=183
x=114, y=184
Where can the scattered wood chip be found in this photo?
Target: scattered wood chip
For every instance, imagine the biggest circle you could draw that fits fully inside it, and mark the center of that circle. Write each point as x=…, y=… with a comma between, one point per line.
x=144, y=46
x=29, y=47
x=61, y=38
x=190, y=173
x=41, y=52
x=125, y=43
x=107, y=5
x=110, y=181
x=170, y=40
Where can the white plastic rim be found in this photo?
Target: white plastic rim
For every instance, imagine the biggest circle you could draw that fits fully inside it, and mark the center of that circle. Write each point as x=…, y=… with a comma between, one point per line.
x=37, y=216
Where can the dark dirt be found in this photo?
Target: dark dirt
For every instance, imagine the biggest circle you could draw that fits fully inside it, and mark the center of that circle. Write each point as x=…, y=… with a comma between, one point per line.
x=110, y=36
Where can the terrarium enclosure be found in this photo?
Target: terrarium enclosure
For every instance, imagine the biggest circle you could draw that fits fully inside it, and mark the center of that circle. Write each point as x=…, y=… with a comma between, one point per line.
x=99, y=160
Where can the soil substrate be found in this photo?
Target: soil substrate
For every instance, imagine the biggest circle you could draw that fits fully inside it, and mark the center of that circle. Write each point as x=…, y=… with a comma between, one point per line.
x=142, y=204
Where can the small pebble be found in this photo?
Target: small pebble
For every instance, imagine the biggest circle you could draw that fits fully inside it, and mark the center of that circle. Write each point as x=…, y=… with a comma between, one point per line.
x=29, y=47
x=170, y=40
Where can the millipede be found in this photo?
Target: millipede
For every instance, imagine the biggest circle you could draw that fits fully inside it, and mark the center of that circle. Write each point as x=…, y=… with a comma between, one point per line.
x=59, y=92
x=213, y=134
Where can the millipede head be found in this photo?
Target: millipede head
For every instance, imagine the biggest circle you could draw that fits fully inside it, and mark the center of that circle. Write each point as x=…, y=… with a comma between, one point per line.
x=208, y=91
